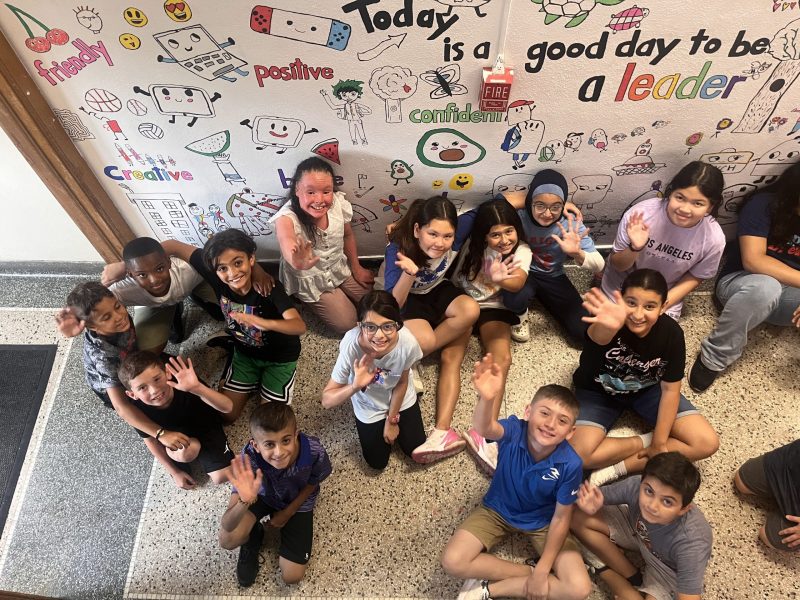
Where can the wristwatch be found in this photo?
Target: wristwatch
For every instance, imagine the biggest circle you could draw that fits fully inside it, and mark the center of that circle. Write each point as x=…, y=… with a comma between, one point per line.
x=632, y=249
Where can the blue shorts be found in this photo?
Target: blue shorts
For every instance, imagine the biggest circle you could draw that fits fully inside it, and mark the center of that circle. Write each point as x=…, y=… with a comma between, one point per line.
x=599, y=409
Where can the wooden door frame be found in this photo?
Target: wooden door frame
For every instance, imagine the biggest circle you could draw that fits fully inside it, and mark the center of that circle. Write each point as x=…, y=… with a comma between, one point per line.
x=29, y=121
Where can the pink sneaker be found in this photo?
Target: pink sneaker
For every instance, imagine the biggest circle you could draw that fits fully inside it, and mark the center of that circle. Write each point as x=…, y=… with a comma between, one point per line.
x=440, y=444
x=485, y=454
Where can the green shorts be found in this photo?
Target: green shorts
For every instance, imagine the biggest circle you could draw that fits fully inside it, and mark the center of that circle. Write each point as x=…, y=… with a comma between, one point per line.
x=274, y=380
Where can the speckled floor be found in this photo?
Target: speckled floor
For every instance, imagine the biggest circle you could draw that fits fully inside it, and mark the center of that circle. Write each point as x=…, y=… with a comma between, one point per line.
x=93, y=517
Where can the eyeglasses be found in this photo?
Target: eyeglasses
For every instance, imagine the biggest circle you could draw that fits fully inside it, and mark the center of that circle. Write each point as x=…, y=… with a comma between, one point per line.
x=553, y=209
x=388, y=328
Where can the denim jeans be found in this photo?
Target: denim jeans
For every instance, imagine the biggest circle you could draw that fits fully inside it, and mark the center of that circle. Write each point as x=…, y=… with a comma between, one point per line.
x=749, y=299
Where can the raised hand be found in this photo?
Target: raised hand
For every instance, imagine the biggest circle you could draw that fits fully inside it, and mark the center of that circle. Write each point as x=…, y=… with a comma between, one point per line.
x=570, y=239
x=406, y=264
x=183, y=372
x=500, y=270
x=246, y=482
x=638, y=231
x=605, y=312
x=303, y=257
x=363, y=371
x=68, y=324
x=590, y=498
x=487, y=378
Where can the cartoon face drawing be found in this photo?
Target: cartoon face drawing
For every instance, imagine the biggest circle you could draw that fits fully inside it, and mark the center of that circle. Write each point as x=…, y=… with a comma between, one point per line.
x=573, y=140
x=591, y=189
x=278, y=131
x=552, y=151
x=178, y=11
x=437, y=184
x=461, y=181
x=448, y=149
x=89, y=18
x=133, y=16
x=775, y=161
x=729, y=160
x=519, y=111
x=186, y=43
x=181, y=100
x=129, y=41
x=512, y=182
x=531, y=133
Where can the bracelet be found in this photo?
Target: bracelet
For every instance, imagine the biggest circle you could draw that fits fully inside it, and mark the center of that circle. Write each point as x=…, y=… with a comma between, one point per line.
x=159, y=433
x=248, y=504
x=395, y=419
x=632, y=249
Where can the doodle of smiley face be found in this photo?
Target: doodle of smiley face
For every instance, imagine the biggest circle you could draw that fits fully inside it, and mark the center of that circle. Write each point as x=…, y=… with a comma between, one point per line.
x=129, y=41
x=437, y=184
x=448, y=149
x=461, y=181
x=135, y=17
x=178, y=11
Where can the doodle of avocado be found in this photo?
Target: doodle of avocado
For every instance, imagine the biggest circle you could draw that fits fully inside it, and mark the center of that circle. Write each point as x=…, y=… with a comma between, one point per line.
x=448, y=149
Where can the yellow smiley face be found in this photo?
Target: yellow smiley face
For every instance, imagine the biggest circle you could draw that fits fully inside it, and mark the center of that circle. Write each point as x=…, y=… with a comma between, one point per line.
x=133, y=16
x=129, y=41
x=461, y=181
x=437, y=184
x=177, y=11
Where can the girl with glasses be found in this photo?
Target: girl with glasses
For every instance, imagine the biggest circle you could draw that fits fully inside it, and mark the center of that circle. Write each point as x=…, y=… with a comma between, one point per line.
x=373, y=370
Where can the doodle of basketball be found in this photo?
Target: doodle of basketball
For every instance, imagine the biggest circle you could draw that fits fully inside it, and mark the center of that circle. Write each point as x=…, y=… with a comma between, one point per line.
x=102, y=100
x=137, y=108
x=151, y=131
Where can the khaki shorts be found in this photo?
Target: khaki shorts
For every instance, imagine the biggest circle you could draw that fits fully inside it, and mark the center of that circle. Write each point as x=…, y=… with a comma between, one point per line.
x=489, y=527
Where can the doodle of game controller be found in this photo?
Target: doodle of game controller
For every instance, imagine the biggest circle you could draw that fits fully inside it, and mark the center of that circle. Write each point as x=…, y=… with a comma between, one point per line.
x=302, y=27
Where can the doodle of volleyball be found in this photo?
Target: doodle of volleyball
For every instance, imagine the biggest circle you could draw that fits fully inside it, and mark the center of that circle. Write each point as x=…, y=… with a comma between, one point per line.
x=102, y=100
x=151, y=131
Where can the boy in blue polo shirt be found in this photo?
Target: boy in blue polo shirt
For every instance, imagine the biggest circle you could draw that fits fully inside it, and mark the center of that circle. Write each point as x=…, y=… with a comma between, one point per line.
x=532, y=492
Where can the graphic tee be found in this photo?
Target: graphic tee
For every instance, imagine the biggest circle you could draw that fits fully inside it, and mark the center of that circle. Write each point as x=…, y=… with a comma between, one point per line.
x=183, y=279
x=252, y=341
x=679, y=550
x=629, y=363
x=671, y=250
x=186, y=413
x=548, y=257
x=755, y=220
x=372, y=404
x=102, y=355
x=487, y=293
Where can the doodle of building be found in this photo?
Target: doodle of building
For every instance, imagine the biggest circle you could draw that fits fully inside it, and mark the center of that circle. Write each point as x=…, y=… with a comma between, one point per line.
x=168, y=217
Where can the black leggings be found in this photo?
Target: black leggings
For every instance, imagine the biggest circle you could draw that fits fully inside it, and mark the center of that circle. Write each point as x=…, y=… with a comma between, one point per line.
x=375, y=449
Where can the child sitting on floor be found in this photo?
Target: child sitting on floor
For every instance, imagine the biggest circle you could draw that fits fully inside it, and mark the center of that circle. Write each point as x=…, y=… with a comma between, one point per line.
x=276, y=478
x=187, y=412
x=532, y=492
x=654, y=515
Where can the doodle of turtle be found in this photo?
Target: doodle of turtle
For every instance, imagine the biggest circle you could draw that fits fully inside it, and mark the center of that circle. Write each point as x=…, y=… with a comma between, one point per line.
x=400, y=171
x=577, y=10
x=627, y=19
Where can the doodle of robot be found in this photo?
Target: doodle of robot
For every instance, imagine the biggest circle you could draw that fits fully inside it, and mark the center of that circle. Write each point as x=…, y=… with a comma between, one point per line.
x=591, y=189
x=775, y=161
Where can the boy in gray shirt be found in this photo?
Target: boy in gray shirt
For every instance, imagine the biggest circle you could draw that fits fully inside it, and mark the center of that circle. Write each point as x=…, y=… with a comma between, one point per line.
x=653, y=514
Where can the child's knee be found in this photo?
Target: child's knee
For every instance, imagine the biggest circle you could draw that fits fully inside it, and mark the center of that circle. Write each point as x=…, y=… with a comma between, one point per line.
x=291, y=572
x=220, y=476
x=228, y=540
x=453, y=560
x=708, y=444
x=740, y=485
x=186, y=454
x=762, y=535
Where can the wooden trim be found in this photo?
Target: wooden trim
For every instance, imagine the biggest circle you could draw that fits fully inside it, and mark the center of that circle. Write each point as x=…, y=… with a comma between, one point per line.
x=29, y=122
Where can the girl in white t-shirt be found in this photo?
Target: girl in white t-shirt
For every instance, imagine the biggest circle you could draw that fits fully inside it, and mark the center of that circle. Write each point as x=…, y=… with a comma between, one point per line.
x=374, y=371
x=319, y=258
x=677, y=236
x=495, y=260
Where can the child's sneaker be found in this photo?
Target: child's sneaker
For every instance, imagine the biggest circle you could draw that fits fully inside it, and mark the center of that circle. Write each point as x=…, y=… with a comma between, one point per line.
x=247, y=565
x=485, y=454
x=605, y=475
x=474, y=589
x=440, y=444
x=521, y=332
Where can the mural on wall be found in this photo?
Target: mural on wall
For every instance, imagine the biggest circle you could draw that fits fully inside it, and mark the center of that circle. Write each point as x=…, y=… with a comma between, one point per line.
x=616, y=95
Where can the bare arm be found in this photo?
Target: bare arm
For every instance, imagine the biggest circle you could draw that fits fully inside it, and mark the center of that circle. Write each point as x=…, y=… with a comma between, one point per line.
x=487, y=379
x=556, y=534
x=681, y=289
x=291, y=323
x=179, y=249
x=515, y=199
x=756, y=260
x=402, y=288
x=182, y=480
x=607, y=316
x=336, y=393
x=186, y=380
x=362, y=275
x=280, y=518
x=667, y=411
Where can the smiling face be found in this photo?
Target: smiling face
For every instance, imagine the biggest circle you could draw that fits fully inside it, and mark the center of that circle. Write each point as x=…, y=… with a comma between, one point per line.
x=151, y=272
x=660, y=503
x=178, y=11
x=381, y=342
x=279, y=448
x=687, y=207
x=549, y=424
x=462, y=181
x=435, y=238
x=546, y=209
x=151, y=387
x=449, y=149
x=181, y=99
x=88, y=18
x=234, y=268
x=129, y=41
x=315, y=193
x=108, y=317
x=133, y=16
x=502, y=238
x=644, y=308
x=188, y=42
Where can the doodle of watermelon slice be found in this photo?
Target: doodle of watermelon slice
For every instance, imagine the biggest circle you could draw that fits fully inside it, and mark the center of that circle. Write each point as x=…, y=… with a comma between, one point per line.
x=214, y=144
x=329, y=149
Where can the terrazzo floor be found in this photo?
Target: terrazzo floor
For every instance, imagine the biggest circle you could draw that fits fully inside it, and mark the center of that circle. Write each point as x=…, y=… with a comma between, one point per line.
x=94, y=517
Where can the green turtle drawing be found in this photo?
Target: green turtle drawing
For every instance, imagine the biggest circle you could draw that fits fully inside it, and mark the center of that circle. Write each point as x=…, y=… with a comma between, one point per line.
x=577, y=10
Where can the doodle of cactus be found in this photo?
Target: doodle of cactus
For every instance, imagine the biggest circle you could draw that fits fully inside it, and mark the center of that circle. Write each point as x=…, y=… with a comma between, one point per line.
x=785, y=48
x=393, y=84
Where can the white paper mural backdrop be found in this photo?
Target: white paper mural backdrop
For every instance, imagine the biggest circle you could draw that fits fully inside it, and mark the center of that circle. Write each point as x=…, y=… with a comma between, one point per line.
x=194, y=117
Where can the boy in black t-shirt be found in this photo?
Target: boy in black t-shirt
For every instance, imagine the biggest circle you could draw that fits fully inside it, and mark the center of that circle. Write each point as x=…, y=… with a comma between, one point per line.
x=265, y=329
x=187, y=412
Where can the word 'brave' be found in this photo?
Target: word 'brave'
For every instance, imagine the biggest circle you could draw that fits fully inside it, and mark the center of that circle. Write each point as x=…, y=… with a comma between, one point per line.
x=404, y=17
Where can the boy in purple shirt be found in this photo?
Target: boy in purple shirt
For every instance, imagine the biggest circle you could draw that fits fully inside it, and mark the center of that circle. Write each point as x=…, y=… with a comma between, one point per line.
x=276, y=478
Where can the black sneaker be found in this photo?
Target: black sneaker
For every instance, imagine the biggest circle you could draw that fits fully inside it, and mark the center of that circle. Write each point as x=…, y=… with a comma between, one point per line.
x=247, y=566
x=701, y=377
x=176, y=330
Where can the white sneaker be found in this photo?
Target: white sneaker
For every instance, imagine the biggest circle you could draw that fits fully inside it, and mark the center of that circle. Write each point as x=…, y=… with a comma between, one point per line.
x=521, y=332
x=604, y=476
x=416, y=371
x=485, y=454
x=474, y=589
x=440, y=444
